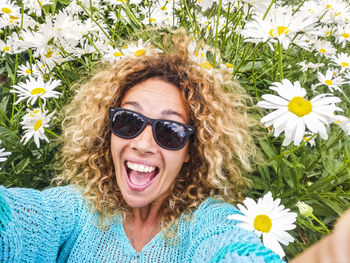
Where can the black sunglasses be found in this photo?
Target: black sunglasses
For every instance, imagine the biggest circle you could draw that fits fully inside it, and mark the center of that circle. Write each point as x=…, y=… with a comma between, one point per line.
x=171, y=135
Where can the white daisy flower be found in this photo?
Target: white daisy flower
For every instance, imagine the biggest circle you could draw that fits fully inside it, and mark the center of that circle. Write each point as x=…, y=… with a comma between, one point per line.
x=137, y=50
x=342, y=60
x=312, y=8
x=268, y=219
x=111, y=54
x=228, y=67
x=37, y=40
x=342, y=34
x=34, y=6
x=10, y=46
x=3, y=155
x=281, y=24
x=259, y=7
x=308, y=138
x=205, y=4
x=11, y=21
x=160, y=16
x=344, y=123
x=324, y=48
x=28, y=70
x=337, y=11
x=294, y=113
x=330, y=80
x=200, y=56
x=34, y=123
x=309, y=65
x=33, y=89
x=7, y=8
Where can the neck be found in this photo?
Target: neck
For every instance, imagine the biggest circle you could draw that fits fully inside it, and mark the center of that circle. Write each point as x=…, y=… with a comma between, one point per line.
x=148, y=214
x=142, y=225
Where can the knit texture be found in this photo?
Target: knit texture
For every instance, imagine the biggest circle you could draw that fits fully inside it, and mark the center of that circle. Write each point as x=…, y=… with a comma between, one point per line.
x=55, y=225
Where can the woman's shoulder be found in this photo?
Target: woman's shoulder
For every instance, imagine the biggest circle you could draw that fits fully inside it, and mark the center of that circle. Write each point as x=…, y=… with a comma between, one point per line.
x=62, y=196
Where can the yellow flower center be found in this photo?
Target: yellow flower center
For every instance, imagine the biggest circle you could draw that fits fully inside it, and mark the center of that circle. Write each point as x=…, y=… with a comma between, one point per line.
x=263, y=223
x=139, y=53
x=163, y=8
x=28, y=71
x=328, y=82
x=38, y=124
x=49, y=54
x=117, y=54
x=229, y=65
x=37, y=91
x=153, y=20
x=345, y=64
x=280, y=30
x=6, y=10
x=323, y=50
x=328, y=6
x=299, y=106
x=6, y=48
x=14, y=17
x=206, y=65
x=346, y=35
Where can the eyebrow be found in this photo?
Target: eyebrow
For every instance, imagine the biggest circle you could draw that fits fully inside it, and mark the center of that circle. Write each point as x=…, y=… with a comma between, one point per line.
x=164, y=113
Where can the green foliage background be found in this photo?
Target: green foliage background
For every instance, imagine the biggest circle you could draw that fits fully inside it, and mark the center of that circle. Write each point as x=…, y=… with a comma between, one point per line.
x=319, y=175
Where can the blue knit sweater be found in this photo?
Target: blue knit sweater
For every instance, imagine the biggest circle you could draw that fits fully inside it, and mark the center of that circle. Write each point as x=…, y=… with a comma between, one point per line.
x=55, y=226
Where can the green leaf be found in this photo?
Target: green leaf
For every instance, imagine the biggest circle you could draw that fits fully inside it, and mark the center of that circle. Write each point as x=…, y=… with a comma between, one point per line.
x=22, y=165
x=64, y=2
x=334, y=206
x=268, y=150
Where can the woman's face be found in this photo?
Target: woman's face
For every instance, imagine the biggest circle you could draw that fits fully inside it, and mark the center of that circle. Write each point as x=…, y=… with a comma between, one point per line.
x=145, y=170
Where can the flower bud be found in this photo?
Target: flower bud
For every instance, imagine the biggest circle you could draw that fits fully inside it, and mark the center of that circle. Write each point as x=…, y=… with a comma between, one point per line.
x=304, y=209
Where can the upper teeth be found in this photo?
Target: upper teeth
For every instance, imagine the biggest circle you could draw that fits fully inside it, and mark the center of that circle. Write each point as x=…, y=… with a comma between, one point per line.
x=140, y=167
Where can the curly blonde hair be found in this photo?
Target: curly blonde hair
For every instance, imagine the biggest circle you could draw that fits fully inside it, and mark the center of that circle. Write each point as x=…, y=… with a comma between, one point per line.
x=221, y=150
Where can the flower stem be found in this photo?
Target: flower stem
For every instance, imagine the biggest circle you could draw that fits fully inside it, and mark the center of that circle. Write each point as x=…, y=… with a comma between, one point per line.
x=268, y=9
x=217, y=24
x=297, y=9
x=280, y=60
x=320, y=222
x=51, y=132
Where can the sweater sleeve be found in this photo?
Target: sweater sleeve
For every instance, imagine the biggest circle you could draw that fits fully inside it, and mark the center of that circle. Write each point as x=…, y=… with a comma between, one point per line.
x=34, y=225
x=214, y=238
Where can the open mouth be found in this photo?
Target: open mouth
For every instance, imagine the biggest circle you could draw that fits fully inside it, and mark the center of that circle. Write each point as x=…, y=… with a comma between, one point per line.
x=139, y=176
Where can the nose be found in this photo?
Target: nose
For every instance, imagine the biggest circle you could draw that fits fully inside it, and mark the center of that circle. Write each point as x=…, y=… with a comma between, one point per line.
x=144, y=143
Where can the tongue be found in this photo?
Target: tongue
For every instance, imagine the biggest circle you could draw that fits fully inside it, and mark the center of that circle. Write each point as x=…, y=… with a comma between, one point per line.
x=140, y=178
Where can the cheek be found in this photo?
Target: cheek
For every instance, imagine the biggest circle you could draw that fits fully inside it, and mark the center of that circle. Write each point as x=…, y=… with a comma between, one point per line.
x=116, y=147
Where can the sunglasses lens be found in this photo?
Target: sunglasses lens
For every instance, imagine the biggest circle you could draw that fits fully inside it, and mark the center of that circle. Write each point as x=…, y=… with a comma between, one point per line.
x=127, y=124
x=170, y=135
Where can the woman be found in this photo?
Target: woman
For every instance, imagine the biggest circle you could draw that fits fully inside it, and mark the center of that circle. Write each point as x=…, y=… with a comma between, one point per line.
x=153, y=146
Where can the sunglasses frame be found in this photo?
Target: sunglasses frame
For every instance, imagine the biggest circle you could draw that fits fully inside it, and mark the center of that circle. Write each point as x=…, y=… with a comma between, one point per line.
x=189, y=130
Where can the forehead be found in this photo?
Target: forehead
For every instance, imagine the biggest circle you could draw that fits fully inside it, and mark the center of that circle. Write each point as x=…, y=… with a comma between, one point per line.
x=154, y=96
